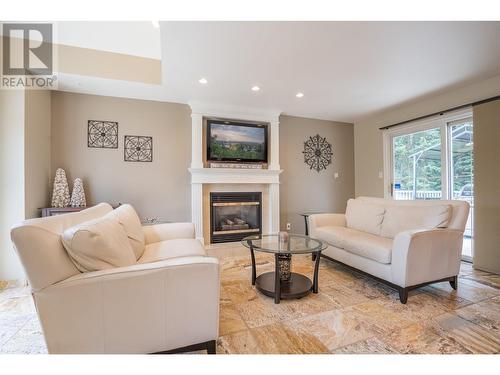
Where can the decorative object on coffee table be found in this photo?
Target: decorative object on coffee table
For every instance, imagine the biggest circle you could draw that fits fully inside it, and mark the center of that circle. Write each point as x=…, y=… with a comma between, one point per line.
x=60, y=192
x=317, y=153
x=102, y=134
x=78, y=194
x=283, y=283
x=138, y=148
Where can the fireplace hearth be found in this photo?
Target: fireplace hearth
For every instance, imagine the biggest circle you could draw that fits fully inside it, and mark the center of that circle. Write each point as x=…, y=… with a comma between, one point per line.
x=234, y=216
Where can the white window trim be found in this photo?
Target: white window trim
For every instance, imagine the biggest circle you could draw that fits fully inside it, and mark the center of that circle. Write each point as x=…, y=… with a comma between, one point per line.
x=438, y=121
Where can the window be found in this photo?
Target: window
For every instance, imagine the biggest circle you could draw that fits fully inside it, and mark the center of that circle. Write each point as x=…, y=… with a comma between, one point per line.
x=417, y=165
x=433, y=159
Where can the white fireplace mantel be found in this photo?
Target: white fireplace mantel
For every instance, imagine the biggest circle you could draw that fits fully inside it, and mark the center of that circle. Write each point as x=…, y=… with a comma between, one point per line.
x=201, y=175
x=234, y=176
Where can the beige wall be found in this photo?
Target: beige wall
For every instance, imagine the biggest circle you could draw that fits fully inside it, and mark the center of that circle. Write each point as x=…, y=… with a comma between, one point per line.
x=158, y=189
x=162, y=188
x=368, y=138
x=37, y=151
x=487, y=186
x=12, y=115
x=304, y=190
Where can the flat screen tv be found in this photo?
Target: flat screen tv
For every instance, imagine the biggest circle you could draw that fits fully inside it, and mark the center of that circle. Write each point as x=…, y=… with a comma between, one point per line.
x=236, y=142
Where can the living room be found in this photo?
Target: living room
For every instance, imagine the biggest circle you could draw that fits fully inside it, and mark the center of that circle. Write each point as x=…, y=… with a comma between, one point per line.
x=250, y=187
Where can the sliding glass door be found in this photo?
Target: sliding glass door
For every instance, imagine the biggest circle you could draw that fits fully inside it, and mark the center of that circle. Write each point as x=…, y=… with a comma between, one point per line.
x=433, y=159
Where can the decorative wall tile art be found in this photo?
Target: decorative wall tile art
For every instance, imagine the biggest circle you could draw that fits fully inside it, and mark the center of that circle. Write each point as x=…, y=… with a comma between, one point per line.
x=102, y=134
x=317, y=153
x=138, y=148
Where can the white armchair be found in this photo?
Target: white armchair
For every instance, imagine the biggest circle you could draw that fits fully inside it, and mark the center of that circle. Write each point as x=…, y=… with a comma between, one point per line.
x=167, y=302
x=406, y=244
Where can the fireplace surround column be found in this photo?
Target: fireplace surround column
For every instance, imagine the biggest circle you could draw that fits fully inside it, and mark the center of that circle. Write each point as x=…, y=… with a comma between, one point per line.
x=197, y=209
x=275, y=145
x=274, y=208
x=197, y=140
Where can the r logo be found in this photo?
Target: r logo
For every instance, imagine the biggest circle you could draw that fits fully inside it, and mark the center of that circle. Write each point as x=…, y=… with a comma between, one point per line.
x=27, y=49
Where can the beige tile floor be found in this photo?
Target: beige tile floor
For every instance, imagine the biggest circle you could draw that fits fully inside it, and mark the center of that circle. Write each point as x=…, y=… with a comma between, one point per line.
x=351, y=314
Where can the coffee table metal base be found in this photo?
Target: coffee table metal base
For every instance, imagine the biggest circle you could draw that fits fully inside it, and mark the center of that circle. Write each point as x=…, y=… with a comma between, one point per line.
x=299, y=286
x=286, y=284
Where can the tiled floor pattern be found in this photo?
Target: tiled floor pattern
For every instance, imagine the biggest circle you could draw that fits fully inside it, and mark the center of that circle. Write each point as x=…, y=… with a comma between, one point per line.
x=351, y=314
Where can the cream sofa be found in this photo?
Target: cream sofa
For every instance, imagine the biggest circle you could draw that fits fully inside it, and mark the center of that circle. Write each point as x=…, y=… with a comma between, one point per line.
x=168, y=301
x=406, y=244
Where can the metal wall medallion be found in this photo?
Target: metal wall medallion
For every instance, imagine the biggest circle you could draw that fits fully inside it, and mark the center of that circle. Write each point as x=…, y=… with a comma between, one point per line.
x=102, y=134
x=317, y=153
x=138, y=148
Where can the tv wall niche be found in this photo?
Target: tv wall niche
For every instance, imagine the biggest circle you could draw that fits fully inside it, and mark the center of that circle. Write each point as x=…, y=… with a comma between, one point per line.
x=236, y=142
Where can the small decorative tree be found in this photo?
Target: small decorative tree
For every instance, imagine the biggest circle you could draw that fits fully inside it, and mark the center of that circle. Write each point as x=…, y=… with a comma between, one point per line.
x=60, y=193
x=78, y=195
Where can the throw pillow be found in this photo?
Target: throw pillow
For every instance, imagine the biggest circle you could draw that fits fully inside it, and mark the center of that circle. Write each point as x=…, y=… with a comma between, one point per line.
x=98, y=244
x=128, y=218
x=364, y=216
x=401, y=218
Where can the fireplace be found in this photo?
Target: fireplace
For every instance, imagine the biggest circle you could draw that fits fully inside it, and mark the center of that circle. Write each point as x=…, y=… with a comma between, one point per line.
x=233, y=216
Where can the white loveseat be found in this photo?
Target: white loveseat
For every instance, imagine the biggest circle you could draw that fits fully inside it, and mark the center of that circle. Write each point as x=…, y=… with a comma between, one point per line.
x=167, y=301
x=406, y=244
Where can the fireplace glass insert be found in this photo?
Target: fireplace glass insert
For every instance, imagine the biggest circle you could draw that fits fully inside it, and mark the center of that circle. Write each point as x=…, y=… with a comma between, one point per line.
x=234, y=216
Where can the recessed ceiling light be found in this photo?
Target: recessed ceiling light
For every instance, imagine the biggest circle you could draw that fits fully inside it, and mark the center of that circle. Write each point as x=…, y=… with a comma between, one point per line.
x=203, y=81
x=299, y=95
x=156, y=24
x=255, y=88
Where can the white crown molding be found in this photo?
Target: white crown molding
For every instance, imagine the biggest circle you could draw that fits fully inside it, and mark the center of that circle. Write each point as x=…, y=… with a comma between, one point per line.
x=234, y=112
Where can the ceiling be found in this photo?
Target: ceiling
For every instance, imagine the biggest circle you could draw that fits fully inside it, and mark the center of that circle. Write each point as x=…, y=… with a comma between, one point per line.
x=346, y=70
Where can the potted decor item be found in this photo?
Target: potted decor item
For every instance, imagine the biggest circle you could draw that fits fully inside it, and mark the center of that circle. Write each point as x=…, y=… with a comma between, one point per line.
x=60, y=192
x=78, y=194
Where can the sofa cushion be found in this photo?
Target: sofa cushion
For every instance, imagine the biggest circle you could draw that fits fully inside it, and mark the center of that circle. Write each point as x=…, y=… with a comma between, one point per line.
x=364, y=216
x=128, y=218
x=171, y=249
x=369, y=246
x=356, y=242
x=333, y=235
x=401, y=218
x=98, y=244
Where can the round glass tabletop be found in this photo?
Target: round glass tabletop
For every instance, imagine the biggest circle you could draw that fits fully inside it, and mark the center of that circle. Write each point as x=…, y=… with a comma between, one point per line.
x=288, y=244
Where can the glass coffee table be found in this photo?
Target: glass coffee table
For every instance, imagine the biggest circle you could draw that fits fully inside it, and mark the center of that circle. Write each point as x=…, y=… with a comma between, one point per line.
x=288, y=284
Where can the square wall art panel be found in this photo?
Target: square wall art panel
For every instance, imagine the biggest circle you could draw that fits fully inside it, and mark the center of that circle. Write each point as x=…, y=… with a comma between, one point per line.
x=138, y=148
x=102, y=134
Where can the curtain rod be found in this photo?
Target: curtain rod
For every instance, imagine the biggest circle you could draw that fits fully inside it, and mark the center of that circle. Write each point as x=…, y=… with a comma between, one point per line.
x=440, y=113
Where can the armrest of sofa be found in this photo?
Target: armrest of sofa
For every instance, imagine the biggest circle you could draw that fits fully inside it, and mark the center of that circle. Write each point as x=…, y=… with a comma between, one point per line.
x=168, y=231
x=420, y=256
x=142, y=308
x=325, y=220
x=137, y=269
